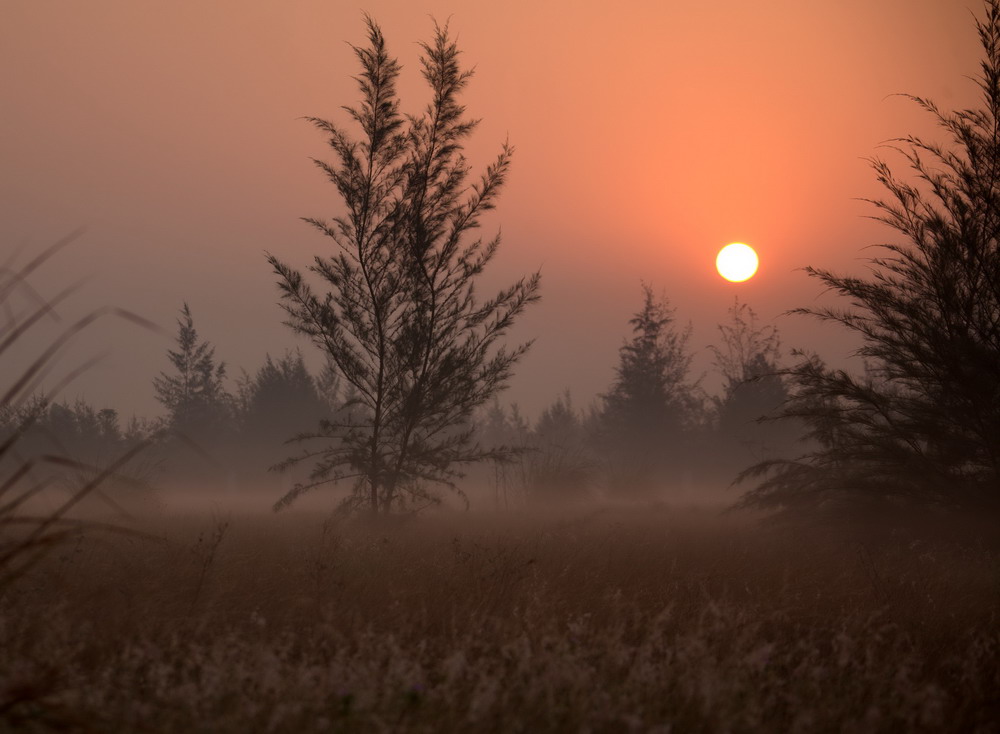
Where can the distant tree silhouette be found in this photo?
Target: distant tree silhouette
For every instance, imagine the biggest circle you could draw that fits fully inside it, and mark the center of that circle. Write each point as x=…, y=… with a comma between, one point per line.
x=401, y=320
x=281, y=401
x=507, y=431
x=747, y=350
x=753, y=389
x=500, y=426
x=91, y=438
x=651, y=404
x=193, y=394
x=923, y=424
x=561, y=466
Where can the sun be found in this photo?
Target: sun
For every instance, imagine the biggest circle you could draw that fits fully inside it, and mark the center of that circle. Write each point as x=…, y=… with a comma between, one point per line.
x=736, y=262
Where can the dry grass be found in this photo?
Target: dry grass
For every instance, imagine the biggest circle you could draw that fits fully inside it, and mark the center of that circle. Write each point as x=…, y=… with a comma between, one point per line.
x=610, y=621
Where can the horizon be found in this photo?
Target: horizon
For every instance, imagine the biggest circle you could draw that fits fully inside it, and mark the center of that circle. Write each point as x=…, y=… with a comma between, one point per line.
x=645, y=141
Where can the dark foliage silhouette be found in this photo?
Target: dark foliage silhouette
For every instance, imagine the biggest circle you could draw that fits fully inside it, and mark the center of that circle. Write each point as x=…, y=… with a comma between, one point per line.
x=279, y=402
x=401, y=320
x=747, y=356
x=922, y=425
x=561, y=464
x=199, y=408
x=651, y=405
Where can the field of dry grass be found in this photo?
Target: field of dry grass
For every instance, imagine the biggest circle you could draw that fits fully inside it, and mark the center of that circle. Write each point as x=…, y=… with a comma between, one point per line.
x=614, y=620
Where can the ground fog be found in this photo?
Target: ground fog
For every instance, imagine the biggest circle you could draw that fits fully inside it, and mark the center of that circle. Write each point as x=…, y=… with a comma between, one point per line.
x=642, y=618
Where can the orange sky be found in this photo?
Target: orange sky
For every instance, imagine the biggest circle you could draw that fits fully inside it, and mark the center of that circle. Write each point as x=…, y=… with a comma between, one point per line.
x=648, y=135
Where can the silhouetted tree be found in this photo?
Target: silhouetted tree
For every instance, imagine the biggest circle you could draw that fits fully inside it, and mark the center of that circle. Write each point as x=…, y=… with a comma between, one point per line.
x=281, y=401
x=748, y=360
x=651, y=403
x=194, y=396
x=560, y=465
x=923, y=424
x=753, y=389
x=401, y=320
x=747, y=350
x=503, y=427
x=507, y=432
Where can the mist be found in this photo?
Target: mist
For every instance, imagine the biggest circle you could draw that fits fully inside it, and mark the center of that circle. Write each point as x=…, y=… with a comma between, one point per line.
x=372, y=371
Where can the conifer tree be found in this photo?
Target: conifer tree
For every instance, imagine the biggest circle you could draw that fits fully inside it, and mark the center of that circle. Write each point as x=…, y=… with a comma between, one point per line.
x=650, y=393
x=922, y=424
x=193, y=393
x=651, y=403
x=560, y=464
x=401, y=319
x=281, y=401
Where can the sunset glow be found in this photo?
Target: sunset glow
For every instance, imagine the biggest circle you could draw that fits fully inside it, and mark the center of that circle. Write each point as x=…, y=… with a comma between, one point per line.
x=363, y=365
x=627, y=161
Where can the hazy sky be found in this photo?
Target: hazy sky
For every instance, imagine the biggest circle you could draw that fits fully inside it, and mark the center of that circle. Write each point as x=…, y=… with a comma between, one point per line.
x=648, y=135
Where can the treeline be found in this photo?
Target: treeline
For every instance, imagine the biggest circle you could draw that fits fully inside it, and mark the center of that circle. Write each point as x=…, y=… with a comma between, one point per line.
x=211, y=435
x=414, y=357
x=654, y=433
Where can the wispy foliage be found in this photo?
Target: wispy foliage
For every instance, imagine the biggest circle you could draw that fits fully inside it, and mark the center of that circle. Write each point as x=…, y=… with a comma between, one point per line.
x=923, y=424
x=401, y=319
x=747, y=357
x=747, y=349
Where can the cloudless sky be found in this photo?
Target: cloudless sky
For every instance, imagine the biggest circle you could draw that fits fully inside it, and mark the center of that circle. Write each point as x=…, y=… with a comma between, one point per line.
x=648, y=135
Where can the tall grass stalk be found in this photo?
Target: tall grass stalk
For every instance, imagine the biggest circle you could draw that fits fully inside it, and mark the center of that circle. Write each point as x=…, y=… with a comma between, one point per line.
x=26, y=534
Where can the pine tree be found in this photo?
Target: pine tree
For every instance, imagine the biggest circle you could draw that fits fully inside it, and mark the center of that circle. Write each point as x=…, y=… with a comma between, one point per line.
x=281, y=401
x=560, y=465
x=922, y=425
x=193, y=394
x=401, y=320
x=651, y=403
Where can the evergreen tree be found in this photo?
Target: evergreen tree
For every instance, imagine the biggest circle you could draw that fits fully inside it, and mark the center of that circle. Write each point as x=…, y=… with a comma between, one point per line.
x=651, y=404
x=401, y=319
x=500, y=427
x=560, y=465
x=559, y=424
x=923, y=424
x=279, y=403
x=193, y=394
x=753, y=389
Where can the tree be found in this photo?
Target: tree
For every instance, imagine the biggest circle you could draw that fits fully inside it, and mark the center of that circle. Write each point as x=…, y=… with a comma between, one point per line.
x=651, y=403
x=748, y=360
x=279, y=402
x=401, y=320
x=560, y=465
x=508, y=431
x=753, y=390
x=194, y=394
x=747, y=349
x=922, y=425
